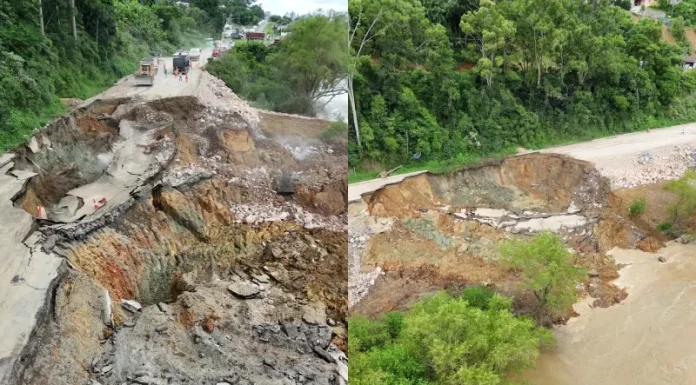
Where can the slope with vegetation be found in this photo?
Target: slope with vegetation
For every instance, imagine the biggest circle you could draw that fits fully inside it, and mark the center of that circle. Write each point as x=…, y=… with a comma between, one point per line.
x=295, y=74
x=435, y=81
x=48, y=50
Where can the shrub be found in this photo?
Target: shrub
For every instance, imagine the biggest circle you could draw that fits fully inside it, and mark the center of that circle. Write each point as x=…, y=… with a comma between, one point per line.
x=547, y=270
x=637, y=207
x=445, y=340
x=684, y=206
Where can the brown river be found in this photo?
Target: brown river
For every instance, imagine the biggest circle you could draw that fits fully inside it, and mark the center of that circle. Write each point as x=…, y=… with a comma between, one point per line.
x=649, y=338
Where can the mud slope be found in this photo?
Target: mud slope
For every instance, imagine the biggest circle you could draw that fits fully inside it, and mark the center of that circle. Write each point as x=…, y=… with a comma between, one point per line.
x=432, y=232
x=196, y=249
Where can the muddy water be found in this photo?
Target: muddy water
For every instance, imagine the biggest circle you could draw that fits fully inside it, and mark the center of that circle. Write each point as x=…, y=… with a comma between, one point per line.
x=650, y=338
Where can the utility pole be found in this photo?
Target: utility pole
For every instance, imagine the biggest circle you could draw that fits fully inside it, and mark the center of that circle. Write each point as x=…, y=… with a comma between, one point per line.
x=74, y=26
x=43, y=32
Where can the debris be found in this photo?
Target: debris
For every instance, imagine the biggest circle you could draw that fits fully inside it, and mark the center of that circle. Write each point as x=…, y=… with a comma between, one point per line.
x=244, y=290
x=131, y=306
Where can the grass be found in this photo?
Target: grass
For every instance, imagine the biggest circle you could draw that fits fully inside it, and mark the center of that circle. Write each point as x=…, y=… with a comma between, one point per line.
x=637, y=207
x=434, y=166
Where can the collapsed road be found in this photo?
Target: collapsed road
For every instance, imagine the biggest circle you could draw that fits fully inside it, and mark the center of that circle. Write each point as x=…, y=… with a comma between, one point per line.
x=414, y=235
x=182, y=237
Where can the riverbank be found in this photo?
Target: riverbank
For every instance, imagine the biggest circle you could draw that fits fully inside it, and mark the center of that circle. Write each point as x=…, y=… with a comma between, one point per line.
x=647, y=339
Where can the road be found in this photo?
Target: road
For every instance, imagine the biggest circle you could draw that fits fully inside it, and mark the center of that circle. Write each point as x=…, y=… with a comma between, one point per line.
x=602, y=152
x=25, y=271
x=628, y=145
x=165, y=86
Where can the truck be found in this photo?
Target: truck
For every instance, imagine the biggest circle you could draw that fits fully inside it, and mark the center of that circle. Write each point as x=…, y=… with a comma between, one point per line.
x=147, y=71
x=195, y=54
x=182, y=63
x=255, y=36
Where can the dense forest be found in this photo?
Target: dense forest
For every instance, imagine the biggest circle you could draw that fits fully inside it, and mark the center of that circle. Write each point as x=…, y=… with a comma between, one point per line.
x=50, y=50
x=437, y=80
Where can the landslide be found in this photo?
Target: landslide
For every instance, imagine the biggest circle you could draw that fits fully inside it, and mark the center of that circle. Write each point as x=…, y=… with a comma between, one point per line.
x=224, y=263
x=441, y=231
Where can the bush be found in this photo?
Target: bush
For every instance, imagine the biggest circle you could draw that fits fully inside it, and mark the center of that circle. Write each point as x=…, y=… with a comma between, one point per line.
x=637, y=207
x=665, y=227
x=548, y=271
x=445, y=340
x=684, y=206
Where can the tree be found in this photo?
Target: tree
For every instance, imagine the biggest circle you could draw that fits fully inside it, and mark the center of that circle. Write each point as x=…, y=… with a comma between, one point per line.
x=491, y=32
x=314, y=58
x=547, y=270
x=394, y=21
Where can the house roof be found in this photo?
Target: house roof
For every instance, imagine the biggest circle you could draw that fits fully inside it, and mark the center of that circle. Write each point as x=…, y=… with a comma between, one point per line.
x=690, y=59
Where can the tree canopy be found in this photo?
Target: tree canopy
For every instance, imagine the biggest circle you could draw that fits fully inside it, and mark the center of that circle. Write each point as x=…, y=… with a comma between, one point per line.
x=473, y=339
x=427, y=75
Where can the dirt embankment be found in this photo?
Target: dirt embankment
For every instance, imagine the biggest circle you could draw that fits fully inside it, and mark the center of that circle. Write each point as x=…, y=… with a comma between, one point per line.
x=433, y=232
x=223, y=261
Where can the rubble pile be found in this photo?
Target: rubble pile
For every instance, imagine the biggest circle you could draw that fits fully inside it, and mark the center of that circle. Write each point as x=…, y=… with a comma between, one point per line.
x=362, y=227
x=651, y=167
x=213, y=93
x=255, y=214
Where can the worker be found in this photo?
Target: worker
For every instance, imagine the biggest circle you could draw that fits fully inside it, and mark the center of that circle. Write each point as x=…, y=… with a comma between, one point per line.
x=180, y=77
x=186, y=78
x=165, y=70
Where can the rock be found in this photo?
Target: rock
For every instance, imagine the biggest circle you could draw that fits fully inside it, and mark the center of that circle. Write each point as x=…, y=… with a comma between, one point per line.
x=645, y=158
x=162, y=328
x=592, y=273
x=323, y=354
x=573, y=209
x=209, y=325
x=243, y=290
x=315, y=314
x=260, y=278
x=131, y=306
x=661, y=259
x=164, y=308
x=107, y=369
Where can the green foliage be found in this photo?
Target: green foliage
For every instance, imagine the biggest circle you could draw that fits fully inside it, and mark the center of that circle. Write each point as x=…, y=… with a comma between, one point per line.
x=445, y=340
x=112, y=35
x=526, y=73
x=684, y=206
x=547, y=270
x=637, y=207
x=478, y=296
x=665, y=227
x=335, y=129
x=293, y=75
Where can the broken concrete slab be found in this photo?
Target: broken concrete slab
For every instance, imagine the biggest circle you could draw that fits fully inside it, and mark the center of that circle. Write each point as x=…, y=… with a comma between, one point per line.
x=6, y=158
x=25, y=274
x=23, y=175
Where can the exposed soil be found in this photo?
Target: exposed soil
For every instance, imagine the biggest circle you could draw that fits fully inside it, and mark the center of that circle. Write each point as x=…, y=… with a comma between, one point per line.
x=445, y=230
x=232, y=242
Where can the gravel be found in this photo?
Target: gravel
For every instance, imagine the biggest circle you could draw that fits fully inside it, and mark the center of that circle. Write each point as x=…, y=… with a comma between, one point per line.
x=649, y=167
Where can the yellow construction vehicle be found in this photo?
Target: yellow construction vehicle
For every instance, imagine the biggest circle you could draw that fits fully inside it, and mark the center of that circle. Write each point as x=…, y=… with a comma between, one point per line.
x=146, y=73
